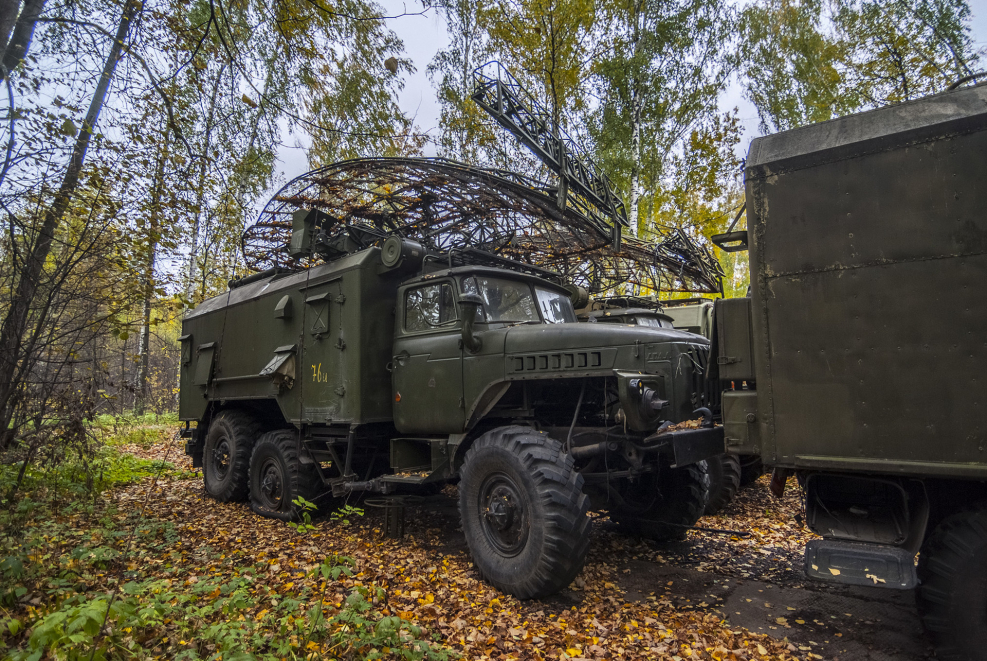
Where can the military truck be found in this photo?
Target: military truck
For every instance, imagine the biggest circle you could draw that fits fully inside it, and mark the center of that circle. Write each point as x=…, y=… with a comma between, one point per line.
x=695, y=315
x=859, y=361
x=632, y=310
x=725, y=470
x=691, y=314
x=389, y=366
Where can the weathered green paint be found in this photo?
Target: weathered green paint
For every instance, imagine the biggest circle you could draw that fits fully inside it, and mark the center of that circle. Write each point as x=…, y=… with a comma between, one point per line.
x=341, y=325
x=693, y=317
x=868, y=253
x=335, y=351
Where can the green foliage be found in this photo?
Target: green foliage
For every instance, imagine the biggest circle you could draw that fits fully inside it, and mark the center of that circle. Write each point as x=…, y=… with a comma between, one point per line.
x=65, y=549
x=903, y=49
x=306, y=507
x=206, y=622
x=344, y=513
x=807, y=61
x=75, y=479
x=793, y=69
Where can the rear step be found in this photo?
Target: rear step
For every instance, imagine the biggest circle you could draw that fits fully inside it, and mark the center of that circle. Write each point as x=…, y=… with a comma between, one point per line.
x=856, y=563
x=406, y=478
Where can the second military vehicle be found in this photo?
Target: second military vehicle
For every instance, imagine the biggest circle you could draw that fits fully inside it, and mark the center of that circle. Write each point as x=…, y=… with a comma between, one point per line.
x=695, y=315
x=387, y=365
x=859, y=361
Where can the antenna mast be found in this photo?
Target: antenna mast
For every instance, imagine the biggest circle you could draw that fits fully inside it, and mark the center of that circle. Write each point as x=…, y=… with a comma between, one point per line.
x=505, y=99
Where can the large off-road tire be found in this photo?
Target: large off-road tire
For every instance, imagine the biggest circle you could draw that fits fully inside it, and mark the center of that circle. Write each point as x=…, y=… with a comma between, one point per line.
x=663, y=505
x=278, y=477
x=751, y=468
x=226, y=456
x=724, y=481
x=523, y=512
x=952, y=597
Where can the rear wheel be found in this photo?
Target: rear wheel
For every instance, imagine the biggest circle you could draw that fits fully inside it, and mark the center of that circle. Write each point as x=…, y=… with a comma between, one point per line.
x=724, y=481
x=277, y=476
x=751, y=468
x=523, y=512
x=664, y=505
x=226, y=456
x=952, y=597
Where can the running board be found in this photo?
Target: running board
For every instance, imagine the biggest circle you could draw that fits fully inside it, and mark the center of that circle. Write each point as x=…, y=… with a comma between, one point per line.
x=857, y=563
x=405, y=478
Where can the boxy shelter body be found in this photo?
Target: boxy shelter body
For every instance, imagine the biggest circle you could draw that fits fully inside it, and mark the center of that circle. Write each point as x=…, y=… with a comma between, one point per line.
x=858, y=362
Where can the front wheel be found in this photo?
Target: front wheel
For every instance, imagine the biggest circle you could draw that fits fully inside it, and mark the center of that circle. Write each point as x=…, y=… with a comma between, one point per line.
x=952, y=597
x=665, y=504
x=278, y=477
x=523, y=512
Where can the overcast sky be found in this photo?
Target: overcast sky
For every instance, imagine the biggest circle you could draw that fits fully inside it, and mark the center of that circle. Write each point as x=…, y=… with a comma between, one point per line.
x=424, y=35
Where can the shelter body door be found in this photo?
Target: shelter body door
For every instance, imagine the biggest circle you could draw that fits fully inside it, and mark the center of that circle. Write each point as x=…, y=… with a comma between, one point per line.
x=323, y=381
x=427, y=374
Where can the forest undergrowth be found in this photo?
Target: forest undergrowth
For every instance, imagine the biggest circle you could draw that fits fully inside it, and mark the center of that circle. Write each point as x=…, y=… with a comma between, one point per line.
x=126, y=558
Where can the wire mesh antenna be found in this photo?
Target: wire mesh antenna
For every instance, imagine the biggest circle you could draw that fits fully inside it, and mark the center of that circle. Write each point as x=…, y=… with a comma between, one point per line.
x=513, y=107
x=448, y=206
x=442, y=204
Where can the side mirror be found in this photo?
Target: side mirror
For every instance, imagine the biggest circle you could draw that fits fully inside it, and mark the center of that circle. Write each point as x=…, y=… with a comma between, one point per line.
x=470, y=303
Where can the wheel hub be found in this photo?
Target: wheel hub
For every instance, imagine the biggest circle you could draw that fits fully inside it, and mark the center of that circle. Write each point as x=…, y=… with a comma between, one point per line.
x=272, y=485
x=504, y=514
x=221, y=458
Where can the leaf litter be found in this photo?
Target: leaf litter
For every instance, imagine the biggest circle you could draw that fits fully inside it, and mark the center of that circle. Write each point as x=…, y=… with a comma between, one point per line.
x=427, y=578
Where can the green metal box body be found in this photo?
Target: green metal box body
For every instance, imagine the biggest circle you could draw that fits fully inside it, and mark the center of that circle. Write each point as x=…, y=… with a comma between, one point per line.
x=333, y=326
x=868, y=249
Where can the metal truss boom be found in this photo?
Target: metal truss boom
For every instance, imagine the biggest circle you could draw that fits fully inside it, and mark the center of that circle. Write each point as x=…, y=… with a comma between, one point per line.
x=505, y=99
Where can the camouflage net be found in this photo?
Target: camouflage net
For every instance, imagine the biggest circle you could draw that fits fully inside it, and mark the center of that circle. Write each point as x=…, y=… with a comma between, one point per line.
x=446, y=206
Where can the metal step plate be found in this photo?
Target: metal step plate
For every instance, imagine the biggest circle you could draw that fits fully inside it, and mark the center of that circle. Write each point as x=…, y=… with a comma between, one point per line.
x=856, y=563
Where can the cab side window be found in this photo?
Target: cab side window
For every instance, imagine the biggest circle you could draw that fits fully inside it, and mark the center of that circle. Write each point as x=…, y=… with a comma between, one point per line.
x=429, y=307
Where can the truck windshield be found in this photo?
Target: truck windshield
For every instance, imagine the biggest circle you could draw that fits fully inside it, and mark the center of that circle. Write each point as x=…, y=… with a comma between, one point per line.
x=511, y=301
x=503, y=300
x=652, y=321
x=555, y=307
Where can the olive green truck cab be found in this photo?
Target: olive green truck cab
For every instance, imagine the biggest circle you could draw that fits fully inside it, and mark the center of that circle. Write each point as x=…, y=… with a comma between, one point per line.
x=390, y=368
x=859, y=362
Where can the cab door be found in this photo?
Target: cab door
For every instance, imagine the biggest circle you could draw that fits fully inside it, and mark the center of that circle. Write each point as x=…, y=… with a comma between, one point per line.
x=427, y=366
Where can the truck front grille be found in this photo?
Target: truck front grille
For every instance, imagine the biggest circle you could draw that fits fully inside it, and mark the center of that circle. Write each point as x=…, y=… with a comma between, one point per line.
x=704, y=392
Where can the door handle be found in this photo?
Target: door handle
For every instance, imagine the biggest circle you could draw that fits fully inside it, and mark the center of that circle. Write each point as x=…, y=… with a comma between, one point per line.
x=400, y=358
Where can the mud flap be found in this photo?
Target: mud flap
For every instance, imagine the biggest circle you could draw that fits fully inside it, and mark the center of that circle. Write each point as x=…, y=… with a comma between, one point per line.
x=857, y=563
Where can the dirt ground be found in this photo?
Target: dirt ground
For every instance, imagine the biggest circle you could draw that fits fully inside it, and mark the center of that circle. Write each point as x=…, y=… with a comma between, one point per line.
x=734, y=592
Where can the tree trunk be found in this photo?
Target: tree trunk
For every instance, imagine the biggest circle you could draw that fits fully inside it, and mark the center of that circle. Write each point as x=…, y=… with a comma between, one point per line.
x=23, y=31
x=636, y=92
x=154, y=224
x=144, y=343
x=8, y=16
x=636, y=158
x=15, y=321
x=200, y=194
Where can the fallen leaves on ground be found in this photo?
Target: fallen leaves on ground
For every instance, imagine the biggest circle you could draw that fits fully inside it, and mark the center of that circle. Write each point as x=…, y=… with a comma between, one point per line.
x=429, y=578
x=755, y=536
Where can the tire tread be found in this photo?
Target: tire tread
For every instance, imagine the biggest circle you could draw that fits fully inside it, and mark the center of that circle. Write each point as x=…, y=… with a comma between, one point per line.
x=946, y=566
x=559, y=486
